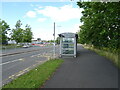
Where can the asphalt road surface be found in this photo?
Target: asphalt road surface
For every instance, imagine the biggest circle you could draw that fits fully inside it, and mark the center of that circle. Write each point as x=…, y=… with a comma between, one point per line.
x=15, y=65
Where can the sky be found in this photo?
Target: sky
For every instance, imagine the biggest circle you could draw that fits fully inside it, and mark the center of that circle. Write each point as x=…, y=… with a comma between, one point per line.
x=42, y=15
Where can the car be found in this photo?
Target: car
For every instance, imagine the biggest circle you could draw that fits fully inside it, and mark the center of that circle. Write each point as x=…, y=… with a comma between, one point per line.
x=26, y=46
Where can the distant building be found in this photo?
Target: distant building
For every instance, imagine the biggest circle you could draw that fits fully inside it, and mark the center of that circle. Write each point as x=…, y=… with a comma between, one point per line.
x=36, y=41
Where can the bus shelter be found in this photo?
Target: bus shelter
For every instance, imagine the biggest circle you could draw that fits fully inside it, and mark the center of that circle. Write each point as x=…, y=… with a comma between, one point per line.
x=68, y=44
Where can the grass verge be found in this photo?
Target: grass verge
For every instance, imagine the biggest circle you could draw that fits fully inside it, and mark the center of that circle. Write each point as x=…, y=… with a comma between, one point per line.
x=36, y=77
x=110, y=55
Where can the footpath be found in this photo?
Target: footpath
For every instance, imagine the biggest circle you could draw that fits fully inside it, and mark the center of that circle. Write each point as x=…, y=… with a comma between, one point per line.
x=87, y=70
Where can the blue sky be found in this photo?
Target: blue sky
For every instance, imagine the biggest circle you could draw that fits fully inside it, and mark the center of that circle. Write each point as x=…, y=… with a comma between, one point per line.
x=41, y=16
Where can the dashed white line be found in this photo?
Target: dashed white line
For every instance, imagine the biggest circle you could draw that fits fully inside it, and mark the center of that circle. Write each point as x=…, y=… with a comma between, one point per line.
x=33, y=55
x=11, y=61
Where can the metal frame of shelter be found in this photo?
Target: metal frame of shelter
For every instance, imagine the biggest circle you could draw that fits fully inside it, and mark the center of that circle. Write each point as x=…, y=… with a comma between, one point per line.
x=68, y=44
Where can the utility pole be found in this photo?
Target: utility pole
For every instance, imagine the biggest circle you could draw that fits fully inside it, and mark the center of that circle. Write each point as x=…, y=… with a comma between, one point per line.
x=54, y=41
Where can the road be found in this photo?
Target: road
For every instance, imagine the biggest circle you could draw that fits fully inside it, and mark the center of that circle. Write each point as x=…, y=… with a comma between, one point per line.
x=15, y=65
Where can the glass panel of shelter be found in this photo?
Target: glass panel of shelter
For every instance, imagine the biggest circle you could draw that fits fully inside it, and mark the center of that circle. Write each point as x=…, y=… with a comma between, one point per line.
x=68, y=46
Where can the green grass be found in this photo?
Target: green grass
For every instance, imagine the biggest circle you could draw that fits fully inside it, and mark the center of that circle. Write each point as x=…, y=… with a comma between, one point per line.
x=36, y=77
x=108, y=54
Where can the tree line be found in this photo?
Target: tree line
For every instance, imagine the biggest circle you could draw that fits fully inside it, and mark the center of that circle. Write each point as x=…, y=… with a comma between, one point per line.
x=18, y=34
x=101, y=24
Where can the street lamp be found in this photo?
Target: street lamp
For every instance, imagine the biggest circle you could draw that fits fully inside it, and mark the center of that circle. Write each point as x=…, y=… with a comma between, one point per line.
x=54, y=41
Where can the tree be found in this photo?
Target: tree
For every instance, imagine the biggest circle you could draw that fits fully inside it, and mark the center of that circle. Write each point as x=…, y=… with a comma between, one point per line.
x=27, y=34
x=20, y=35
x=100, y=24
x=4, y=28
x=17, y=33
x=38, y=39
x=58, y=40
x=18, y=24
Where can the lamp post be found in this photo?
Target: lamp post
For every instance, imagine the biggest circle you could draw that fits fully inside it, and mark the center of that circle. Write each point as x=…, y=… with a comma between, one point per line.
x=54, y=41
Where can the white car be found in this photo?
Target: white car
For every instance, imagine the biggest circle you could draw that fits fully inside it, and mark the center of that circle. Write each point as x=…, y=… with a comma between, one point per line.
x=26, y=46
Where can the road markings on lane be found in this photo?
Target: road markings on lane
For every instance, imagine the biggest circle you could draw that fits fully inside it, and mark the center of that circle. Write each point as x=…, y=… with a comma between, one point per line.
x=23, y=71
x=33, y=55
x=47, y=54
x=12, y=77
x=38, y=61
x=43, y=53
x=21, y=59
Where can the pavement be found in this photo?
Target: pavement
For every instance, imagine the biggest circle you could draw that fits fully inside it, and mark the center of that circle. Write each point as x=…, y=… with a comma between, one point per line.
x=87, y=70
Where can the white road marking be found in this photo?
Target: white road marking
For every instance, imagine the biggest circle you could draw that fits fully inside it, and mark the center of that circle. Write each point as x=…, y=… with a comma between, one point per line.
x=33, y=55
x=11, y=61
x=24, y=71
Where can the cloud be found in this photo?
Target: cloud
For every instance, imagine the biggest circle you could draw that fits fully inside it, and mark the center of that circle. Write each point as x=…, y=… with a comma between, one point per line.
x=61, y=14
x=43, y=33
x=41, y=19
x=31, y=14
x=40, y=7
x=76, y=27
x=73, y=28
x=31, y=5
